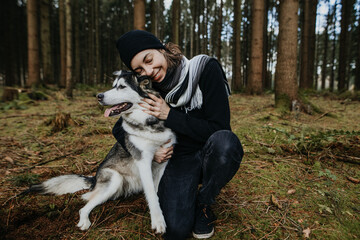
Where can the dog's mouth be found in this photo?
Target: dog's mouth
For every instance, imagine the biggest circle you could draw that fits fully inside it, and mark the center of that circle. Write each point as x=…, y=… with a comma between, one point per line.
x=117, y=109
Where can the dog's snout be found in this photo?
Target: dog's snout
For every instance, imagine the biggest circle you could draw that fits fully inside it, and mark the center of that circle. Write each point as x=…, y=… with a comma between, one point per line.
x=100, y=97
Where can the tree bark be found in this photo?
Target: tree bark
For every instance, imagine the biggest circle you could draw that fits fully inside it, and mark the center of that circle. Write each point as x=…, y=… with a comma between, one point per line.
x=345, y=12
x=45, y=42
x=97, y=43
x=219, y=28
x=357, y=76
x=308, y=39
x=62, y=29
x=286, y=88
x=33, y=44
x=333, y=56
x=77, y=62
x=91, y=48
x=236, y=83
x=255, y=83
x=154, y=17
x=176, y=21
x=68, y=23
x=325, y=52
x=139, y=14
x=265, y=78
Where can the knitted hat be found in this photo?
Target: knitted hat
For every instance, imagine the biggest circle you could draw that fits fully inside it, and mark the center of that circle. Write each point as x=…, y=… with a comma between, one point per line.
x=133, y=42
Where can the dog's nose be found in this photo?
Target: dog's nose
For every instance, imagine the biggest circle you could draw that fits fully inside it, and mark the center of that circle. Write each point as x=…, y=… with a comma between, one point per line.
x=100, y=97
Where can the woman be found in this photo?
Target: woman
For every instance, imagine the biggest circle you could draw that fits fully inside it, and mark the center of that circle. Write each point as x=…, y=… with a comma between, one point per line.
x=194, y=104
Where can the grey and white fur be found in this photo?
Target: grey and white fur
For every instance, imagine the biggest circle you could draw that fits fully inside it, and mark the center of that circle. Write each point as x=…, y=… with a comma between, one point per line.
x=123, y=172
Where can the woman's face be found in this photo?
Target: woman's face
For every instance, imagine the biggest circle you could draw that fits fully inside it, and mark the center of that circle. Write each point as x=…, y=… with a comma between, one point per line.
x=151, y=63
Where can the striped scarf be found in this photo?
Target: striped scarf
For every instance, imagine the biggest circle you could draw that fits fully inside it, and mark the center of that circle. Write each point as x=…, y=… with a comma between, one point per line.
x=186, y=93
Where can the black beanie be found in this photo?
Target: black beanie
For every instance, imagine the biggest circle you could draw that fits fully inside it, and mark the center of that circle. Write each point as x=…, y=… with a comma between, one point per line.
x=133, y=42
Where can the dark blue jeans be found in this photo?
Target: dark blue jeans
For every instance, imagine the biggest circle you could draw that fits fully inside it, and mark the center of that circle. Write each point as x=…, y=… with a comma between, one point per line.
x=213, y=166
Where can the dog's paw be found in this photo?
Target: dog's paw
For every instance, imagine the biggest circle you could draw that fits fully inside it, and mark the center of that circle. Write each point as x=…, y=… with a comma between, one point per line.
x=84, y=224
x=158, y=224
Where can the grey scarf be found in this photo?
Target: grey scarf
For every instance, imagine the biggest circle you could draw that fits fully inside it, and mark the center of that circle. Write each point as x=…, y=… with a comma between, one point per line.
x=185, y=91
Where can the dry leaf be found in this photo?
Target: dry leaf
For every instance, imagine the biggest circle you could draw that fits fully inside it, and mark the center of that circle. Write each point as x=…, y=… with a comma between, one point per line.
x=9, y=159
x=306, y=233
x=291, y=191
x=90, y=163
x=353, y=180
x=275, y=202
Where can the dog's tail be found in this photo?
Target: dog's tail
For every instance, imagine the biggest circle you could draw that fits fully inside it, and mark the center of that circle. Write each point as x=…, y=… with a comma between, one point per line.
x=63, y=184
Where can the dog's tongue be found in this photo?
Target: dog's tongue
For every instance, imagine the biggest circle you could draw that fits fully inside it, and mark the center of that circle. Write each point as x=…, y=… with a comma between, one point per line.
x=108, y=111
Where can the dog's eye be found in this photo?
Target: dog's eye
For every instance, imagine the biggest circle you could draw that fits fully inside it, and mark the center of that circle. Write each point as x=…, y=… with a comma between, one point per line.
x=121, y=86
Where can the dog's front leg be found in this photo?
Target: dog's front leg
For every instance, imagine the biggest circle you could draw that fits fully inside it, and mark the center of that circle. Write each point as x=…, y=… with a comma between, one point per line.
x=157, y=218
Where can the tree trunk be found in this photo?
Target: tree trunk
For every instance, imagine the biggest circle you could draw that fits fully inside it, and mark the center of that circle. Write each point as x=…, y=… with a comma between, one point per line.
x=308, y=39
x=33, y=44
x=62, y=82
x=345, y=12
x=245, y=43
x=205, y=28
x=255, y=83
x=139, y=14
x=265, y=78
x=195, y=23
x=91, y=51
x=357, y=76
x=154, y=17
x=176, y=22
x=45, y=42
x=333, y=57
x=325, y=52
x=68, y=23
x=77, y=62
x=10, y=49
x=97, y=43
x=286, y=89
x=236, y=83
x=219, y=28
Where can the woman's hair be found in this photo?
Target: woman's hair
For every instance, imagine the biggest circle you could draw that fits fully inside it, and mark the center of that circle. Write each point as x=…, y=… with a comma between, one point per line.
x=172, y=54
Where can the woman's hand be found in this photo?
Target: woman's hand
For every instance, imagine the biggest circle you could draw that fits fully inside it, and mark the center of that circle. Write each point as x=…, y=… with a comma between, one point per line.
x=163, y=154
x=156, y=107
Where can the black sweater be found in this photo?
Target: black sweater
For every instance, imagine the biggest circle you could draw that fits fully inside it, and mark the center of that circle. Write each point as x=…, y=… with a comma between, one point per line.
x=196, y=126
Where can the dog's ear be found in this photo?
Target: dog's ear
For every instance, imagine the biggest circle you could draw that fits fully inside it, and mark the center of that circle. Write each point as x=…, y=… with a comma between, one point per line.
x=145, y=84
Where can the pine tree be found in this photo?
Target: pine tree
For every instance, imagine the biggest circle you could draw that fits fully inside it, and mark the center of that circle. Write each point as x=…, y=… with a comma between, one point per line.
x=255, y=83
x=286, y=88
x=33, y=44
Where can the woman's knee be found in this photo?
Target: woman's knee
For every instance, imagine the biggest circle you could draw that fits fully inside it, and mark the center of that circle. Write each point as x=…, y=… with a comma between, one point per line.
x=226, y=142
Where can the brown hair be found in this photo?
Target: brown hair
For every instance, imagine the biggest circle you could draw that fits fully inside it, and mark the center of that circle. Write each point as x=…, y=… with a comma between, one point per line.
x=172, y=54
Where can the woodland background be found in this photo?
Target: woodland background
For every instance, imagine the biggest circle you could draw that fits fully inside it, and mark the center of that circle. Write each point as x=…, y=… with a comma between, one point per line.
x=69, y=42
x=293, y=66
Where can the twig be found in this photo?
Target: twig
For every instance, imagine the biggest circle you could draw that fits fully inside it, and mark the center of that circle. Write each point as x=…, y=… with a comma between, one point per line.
x=15, y=196
x=55, y=159
x=137, y=214
x=323, y=115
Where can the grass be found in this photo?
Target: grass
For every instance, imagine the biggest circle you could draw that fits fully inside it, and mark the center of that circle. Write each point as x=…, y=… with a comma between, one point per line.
x=294, y=178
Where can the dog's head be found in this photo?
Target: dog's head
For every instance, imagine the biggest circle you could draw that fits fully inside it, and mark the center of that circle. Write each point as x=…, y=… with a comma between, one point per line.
x=127, y=91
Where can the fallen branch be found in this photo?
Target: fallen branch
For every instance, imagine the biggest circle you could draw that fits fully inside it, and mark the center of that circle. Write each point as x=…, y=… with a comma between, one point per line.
x=347, y=159
x=55, y=159
x=323, y=115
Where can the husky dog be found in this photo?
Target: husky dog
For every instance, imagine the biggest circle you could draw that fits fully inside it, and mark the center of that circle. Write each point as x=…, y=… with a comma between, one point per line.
x=123, y=172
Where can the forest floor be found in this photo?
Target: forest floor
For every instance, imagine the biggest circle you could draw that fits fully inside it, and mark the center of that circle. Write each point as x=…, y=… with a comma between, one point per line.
x=299, y=177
